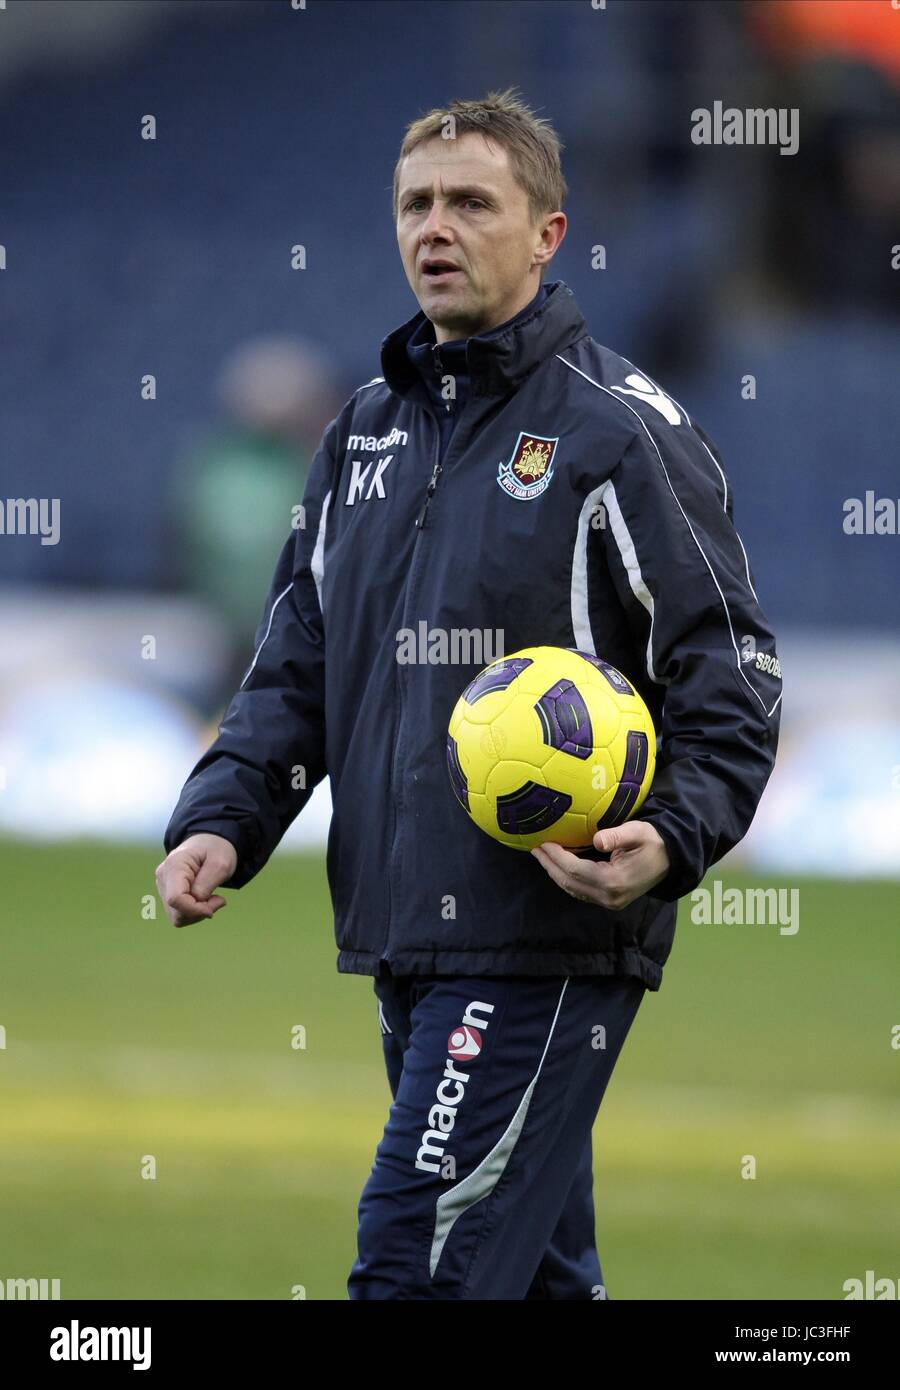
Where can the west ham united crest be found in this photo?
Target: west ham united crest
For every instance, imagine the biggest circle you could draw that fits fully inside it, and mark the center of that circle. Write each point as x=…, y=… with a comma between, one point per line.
x=528, y=471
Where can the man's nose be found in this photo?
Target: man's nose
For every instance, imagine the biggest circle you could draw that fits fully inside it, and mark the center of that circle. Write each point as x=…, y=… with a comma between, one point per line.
x=435, y=224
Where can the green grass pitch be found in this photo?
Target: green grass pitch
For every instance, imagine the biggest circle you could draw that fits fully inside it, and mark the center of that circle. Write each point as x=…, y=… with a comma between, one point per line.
x=125, y=1038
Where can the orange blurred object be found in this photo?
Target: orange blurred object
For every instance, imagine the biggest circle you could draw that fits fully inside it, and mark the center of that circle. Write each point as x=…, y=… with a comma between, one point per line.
x=862, y=29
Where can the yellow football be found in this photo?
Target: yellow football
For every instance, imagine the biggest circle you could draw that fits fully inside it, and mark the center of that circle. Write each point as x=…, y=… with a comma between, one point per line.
x=550, y=744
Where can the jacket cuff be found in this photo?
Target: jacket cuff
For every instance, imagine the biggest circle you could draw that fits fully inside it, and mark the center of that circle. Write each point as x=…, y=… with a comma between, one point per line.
x=237, y=834
x=682, y=877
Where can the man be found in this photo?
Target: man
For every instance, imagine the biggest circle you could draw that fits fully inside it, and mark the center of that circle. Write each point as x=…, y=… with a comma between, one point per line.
x=503, y=1002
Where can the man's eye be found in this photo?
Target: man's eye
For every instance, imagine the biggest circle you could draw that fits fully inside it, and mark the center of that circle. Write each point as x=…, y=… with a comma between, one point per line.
x=410, y=207
x=477, y=201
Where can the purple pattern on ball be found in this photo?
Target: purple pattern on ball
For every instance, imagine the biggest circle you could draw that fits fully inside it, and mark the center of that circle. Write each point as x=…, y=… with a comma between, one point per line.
x=613, y=676
x=628, y=790
x=531, y=808
x=457, y=776
x=496, y=677
x=565, y=720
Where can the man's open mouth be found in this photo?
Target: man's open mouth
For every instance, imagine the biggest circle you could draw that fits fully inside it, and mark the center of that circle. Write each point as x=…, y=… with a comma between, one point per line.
x=439, y=270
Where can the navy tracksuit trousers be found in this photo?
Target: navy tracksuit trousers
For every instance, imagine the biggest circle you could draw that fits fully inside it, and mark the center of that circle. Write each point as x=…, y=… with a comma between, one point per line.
x=482, y=1184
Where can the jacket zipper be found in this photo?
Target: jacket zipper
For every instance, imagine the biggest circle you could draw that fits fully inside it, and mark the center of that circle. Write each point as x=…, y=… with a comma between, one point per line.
x=429, y=493
x=438, y=469
x=436, y=472
x=420, y=520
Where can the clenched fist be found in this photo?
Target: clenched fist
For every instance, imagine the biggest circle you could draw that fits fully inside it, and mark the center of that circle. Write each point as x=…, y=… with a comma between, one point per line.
x=186, y=880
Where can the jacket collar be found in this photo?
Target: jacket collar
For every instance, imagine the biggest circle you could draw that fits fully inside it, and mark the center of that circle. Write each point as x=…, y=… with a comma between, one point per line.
x=498, y=362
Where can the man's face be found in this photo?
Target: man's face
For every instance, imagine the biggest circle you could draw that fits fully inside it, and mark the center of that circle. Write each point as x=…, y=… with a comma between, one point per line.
x=460, y=208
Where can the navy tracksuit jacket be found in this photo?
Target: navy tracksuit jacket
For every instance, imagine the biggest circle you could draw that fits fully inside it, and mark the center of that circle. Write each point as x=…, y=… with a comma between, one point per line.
x=416, y=521
x=627, y=551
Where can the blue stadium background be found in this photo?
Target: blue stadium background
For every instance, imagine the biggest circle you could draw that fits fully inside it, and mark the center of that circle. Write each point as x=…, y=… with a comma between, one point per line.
x=278, y=126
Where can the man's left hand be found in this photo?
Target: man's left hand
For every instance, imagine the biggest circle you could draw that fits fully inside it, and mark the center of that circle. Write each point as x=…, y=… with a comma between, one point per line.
x=639, y=860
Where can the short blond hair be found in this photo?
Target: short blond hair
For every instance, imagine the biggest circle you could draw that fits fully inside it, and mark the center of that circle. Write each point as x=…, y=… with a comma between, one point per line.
x=532, y=144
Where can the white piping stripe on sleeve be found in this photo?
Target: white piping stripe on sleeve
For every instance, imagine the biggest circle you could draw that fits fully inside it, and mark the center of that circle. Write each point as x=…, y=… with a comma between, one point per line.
x=605, y=494
x=718, y=467
x=317, y=563
x=581, y=623
x=687, y=417
x=703, y=554
x=714, y=460
x=317, y=567
x=746, y=565
x=724, y=499
x=628, y=556
x=482, y=1180
x=266, y=637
